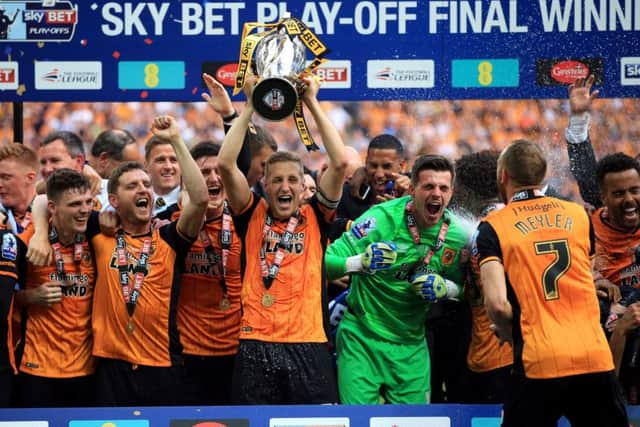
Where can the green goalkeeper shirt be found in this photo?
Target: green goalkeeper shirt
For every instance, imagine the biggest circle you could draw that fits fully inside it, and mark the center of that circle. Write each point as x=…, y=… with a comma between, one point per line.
x=384, y=302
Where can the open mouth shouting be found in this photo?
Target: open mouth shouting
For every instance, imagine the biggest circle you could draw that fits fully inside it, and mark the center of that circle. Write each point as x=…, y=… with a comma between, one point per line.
x=433, y=211
x=214, y=192
x=142, y=202
x=285, y=202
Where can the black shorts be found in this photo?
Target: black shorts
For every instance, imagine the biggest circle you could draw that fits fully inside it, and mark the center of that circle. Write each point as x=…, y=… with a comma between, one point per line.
x=41, y=392
x=207, y=380
x=119, y=383
x=588, y=400
x=283, y=373
x=488, y=387
x=6, y=389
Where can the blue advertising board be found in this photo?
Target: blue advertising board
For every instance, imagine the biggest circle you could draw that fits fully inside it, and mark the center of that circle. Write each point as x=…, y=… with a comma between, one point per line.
x=97, y=50
x=270, y=416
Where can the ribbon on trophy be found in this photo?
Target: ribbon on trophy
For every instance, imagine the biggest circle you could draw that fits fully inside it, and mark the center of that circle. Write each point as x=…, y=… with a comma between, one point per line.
x=277, y=96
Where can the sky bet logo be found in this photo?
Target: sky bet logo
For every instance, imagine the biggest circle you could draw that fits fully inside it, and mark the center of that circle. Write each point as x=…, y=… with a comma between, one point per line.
x=630, y=71
x=50, y=16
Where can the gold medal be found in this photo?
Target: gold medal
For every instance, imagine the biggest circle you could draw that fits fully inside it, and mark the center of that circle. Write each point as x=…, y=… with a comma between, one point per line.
x=268, y=300
x=130, y=326
x=225, y=304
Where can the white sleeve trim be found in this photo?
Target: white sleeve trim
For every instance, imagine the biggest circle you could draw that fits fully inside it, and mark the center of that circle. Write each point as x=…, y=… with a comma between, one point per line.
x=578, y=128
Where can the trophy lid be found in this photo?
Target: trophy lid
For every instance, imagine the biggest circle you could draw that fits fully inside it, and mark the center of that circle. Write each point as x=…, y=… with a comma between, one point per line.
x=280, y=55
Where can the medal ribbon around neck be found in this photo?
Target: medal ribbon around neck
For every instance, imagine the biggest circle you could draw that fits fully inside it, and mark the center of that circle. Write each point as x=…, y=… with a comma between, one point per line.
x=270, y=273
x=54, y=240
x=131, y=296
x=225, y=245
x=412, y=225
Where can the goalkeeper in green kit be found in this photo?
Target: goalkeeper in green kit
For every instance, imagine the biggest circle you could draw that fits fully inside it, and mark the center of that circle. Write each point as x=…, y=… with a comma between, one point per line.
x=402, y=255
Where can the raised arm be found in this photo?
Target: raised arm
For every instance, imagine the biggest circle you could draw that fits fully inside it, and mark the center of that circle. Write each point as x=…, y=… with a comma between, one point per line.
x=219, y=101
x=190, y=221
x=332, y=180
x=582, y=159
x=235, y=182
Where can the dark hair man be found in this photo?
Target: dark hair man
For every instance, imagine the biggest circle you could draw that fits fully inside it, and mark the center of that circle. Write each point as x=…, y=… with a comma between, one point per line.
x=383, y=178
x=57, y=301
x=139, y=269
x=112, y=147
x=398, y=254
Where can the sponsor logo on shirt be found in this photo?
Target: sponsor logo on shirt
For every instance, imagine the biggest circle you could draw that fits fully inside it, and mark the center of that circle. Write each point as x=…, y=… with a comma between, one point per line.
x=361, y=229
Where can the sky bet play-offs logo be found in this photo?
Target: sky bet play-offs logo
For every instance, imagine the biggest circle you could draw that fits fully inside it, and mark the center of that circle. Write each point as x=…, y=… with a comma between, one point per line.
x=151, y=75
x=466, y=73
x=34, y=21
x=630, y=71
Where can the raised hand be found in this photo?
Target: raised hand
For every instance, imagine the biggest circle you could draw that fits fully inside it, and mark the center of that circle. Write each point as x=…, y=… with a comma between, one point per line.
x=580, y=95
x=166, y=128
x=217, y=98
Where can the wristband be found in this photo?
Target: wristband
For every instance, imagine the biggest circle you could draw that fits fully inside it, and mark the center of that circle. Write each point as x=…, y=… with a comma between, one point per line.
x=354, y=264
x=230, y=117
x=452, y=289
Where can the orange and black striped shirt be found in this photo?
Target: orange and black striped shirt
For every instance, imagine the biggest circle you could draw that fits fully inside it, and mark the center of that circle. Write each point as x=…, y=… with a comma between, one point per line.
x=545, y=245
x=299, y=307
x=207, y=326
x=617, y=254
x=154, y=340
x=485, y=352
x=58, y=340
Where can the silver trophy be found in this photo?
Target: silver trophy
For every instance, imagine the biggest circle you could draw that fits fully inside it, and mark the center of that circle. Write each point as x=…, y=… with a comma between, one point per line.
x=279, y=59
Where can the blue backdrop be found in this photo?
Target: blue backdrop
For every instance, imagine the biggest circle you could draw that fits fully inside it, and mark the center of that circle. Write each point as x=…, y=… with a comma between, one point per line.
x=420, y=49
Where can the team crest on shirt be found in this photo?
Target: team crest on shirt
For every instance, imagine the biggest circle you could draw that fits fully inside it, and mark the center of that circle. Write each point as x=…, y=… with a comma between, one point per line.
x=9, y=247
x=86, y=256
x=363, y=228
x=448, y=255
